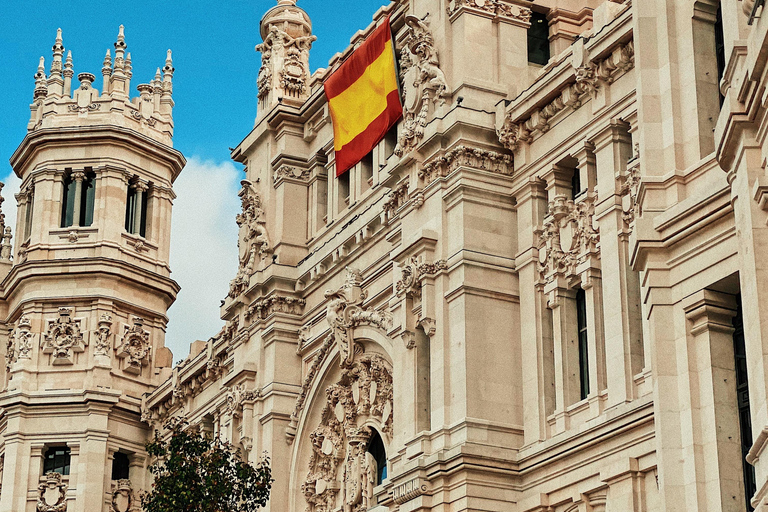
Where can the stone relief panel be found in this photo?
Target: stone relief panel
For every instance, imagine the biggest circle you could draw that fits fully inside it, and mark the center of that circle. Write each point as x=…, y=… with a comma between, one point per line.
x=253, y=242
x=134, y=347
x=20, y=342
x=423, y=83
x=52, y=494
x=63, y=338
x=341, y=471
x=102, y=344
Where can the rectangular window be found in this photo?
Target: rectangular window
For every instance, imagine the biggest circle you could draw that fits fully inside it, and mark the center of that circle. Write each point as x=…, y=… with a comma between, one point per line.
x=56, y=460
x=120, y=466
x=576, y=184
x=742, y=397
x=78, y=199
x=538, y=39
x=581, y=319
x=136, y=209
x=28, y=213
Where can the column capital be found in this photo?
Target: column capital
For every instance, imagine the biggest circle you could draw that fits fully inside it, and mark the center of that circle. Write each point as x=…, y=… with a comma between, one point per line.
x=710, y=310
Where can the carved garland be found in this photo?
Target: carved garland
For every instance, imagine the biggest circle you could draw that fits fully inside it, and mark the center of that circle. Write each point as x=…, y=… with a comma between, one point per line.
x=495, y=7
x=341, y=471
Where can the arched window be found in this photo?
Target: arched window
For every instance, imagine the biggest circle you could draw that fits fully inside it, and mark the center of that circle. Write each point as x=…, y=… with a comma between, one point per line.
x=376, y=449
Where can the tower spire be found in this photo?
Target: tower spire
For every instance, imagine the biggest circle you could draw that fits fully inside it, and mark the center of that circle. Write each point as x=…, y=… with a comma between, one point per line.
x=41, y=87
x=166, y=101
x=69, y=72
x=118, y=75
x=56, y=80
x=106, y=71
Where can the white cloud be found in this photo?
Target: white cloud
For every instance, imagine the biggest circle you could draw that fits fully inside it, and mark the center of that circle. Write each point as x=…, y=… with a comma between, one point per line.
x=11, y=188
x=203, y=249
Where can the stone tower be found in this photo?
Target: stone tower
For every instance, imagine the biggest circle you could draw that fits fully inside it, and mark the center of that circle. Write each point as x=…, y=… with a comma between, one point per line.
x=85, y=301
x=286, y=31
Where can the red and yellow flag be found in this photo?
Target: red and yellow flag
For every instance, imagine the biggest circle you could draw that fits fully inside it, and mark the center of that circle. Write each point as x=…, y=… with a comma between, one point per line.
x=363, y=98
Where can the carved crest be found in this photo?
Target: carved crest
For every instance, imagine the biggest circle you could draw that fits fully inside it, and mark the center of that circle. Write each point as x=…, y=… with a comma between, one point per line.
x=134, y=347
x=568, y=236
x=423, y=82
x=341, y=471
x=63, y=338
x=52, y=494
x=284, y=63
x=123, y=499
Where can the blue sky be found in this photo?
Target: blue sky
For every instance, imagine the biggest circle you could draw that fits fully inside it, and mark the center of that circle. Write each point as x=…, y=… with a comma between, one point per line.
x=215, y=94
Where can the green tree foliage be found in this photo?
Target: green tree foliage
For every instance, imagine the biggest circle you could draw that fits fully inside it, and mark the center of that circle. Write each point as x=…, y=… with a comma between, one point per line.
x=197, y=473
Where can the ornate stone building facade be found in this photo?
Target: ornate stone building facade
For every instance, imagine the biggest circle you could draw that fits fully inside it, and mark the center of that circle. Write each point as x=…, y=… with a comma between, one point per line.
x=544, y=291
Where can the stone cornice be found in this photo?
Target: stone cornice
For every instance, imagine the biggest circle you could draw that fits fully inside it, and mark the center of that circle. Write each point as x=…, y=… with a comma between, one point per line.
x=94, y=134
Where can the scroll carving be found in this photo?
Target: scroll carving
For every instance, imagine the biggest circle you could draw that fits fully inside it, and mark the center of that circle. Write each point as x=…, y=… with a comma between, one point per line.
x=341, y=471
x=345, y=311
x=423, y=83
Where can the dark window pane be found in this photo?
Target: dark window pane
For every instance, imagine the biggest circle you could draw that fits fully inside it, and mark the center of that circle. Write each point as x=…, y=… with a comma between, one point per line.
x=377, y=450
x=87, y=198
x=68, y=204
x=56, y=460
x=538, y=39
x=120, y=466
x=581, y=318
x=143, y=223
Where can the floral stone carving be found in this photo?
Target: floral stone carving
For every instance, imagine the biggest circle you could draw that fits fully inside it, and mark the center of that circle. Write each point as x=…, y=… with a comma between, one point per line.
x=345, y=311
x=134, y=347
x=63, y=338
x=253, y=242
x=341, y=471
x=52, y=494
x=423, y=82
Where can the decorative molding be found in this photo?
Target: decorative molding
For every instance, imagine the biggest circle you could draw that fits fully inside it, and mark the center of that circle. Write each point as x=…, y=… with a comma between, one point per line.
x=290, y=172
x=397, y=197
x=423, y=83
x=629, y=190
x=236, y=396
x=407, y=491
x=497, y=8
x=466, y=156
x=63, y=338
x=414, y=272
x=262, y=308
x=134, y=347
x=290, y=431
x=362, y=396
x=93, y=107
x=589, y=77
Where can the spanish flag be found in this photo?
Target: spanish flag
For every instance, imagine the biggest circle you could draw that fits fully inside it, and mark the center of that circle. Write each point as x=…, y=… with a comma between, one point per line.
x=363, y=98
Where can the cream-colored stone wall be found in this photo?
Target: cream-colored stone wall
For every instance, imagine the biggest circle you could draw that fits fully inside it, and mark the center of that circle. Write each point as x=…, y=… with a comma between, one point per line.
x=431, y=296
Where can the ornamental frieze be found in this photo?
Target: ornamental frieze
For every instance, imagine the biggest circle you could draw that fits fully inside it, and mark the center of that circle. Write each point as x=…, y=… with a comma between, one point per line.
x=466, y=156
x=262, y=308
x=494, y=7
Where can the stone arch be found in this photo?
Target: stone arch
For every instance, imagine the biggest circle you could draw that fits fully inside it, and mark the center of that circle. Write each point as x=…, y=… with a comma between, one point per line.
x=331, y=464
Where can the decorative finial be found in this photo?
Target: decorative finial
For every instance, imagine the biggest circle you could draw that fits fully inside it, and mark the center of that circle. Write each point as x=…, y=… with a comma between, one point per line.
x=286, y=2
x=68, y=74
